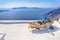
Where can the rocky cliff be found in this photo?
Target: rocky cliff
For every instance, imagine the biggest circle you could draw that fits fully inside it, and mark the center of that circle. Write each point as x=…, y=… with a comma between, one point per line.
x=54, y=14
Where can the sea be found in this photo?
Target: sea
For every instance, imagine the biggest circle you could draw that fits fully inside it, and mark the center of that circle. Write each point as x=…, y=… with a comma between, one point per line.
x=25, y=14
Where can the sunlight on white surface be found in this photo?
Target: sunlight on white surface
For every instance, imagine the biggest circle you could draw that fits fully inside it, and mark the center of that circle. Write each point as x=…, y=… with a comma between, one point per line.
x=21, y=32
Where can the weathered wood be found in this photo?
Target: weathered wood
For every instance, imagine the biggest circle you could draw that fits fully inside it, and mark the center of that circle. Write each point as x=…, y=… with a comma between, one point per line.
x=41, y=24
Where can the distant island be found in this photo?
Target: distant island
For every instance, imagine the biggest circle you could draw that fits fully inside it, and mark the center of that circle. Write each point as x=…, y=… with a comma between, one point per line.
x=26, y=8
x=3, y=10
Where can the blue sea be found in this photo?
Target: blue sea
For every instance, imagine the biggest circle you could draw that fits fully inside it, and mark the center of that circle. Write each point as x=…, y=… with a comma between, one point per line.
x=25, y=14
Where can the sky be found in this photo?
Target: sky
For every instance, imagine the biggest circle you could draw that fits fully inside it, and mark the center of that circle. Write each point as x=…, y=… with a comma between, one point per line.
x=30, y=3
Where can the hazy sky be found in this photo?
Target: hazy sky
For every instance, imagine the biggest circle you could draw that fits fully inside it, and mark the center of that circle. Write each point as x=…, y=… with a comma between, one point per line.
x=30, y=3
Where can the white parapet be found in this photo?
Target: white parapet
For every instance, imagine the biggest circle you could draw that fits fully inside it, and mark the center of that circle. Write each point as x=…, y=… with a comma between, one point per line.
x=2, y=36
